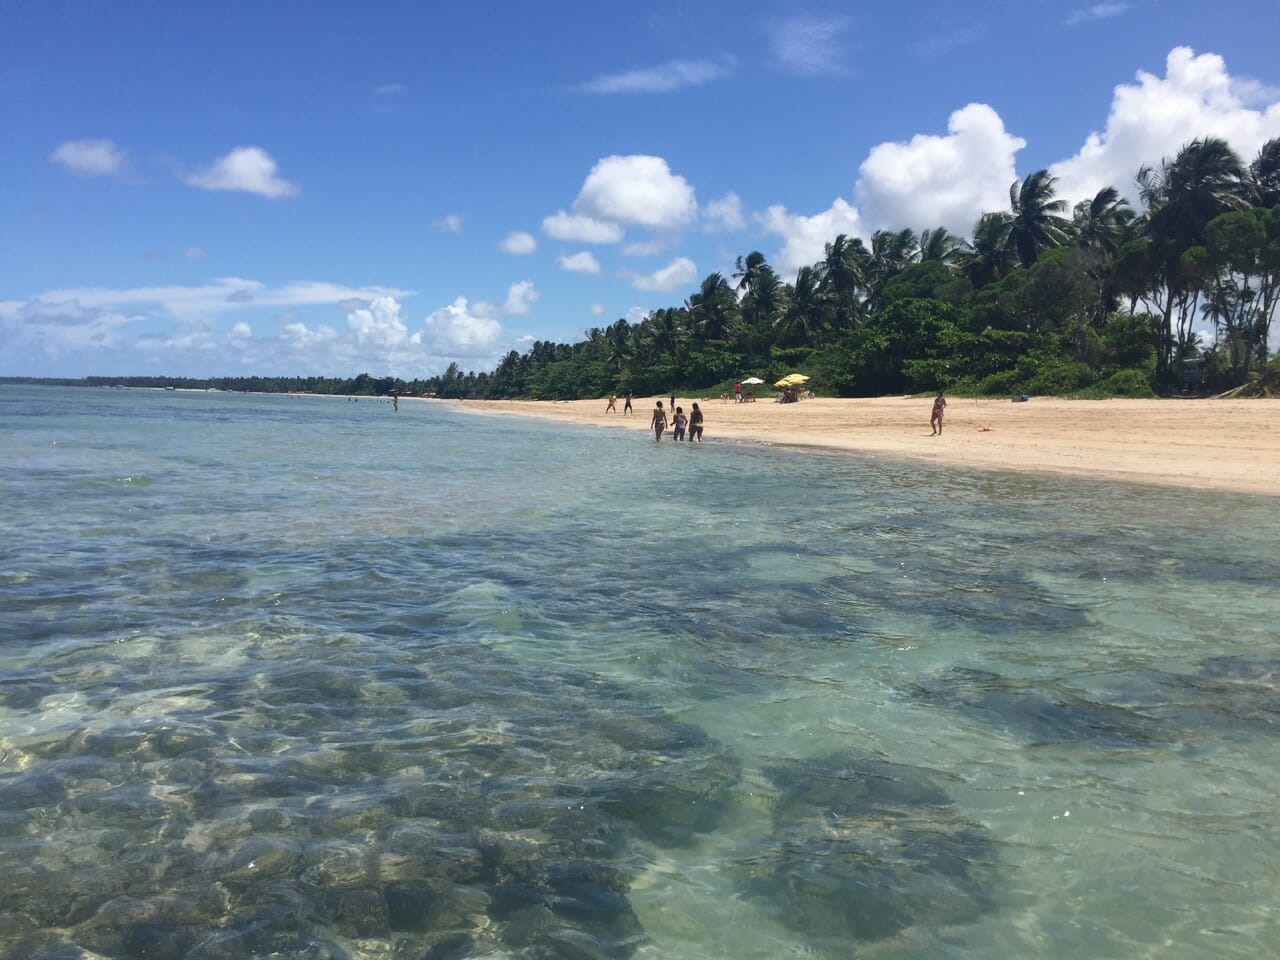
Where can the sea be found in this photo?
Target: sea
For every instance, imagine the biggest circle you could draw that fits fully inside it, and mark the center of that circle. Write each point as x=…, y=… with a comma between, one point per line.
x=307, y=677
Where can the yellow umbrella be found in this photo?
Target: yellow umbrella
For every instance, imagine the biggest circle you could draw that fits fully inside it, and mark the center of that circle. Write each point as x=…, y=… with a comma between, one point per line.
x=792, y=380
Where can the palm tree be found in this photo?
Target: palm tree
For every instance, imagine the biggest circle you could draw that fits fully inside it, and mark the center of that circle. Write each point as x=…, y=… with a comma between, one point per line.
x=748, y=270
x=988, y=256
x=1036, y=224
x=711, y=310
x=1105, y=222
x=1264, y=174
x=891, y=253
x=806, y=311
x=938, y=244
x=1205, y=179
x=842, y=274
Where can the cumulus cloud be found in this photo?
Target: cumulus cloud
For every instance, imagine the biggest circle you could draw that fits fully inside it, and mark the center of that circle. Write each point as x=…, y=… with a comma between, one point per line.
x=456, y=330
x=947, y=180
x=450, y=223
x=1155, y=117
x=91, y=158
x=520, y=298
x=379, y=323
x=680, y=272
x=636, y=189
x=723, y=215
x=805, y=238
x=580, y=229
x=582, y=262
x=660, y=79
x=809, y=45
x=246, y=169
x=518, y=243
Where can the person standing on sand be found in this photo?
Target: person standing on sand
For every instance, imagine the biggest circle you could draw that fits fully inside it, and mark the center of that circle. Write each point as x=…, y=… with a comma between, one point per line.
x=737, y=393
x=613, y=404
x=626, y=407
x=935, y=421
x=695, y=424
x=659, y=421
x=672, y=408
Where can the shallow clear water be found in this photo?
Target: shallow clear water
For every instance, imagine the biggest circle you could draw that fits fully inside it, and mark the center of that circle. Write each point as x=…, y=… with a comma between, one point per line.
x=302, y=677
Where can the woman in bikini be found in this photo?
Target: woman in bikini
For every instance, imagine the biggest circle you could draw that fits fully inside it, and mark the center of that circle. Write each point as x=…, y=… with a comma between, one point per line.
x=935, y=421
x=659, y=421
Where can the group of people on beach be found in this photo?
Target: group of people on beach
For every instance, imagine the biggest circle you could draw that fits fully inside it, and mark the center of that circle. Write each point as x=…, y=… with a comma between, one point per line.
x=679, y=422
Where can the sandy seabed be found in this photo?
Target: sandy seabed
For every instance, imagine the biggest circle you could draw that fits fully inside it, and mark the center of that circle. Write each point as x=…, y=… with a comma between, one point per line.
x=1210, y=444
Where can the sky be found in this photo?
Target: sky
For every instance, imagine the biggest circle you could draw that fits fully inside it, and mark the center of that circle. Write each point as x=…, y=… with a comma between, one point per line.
x=294, y=189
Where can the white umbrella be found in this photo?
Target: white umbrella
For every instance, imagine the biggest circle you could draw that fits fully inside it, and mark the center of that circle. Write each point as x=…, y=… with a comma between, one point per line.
x=753, y=380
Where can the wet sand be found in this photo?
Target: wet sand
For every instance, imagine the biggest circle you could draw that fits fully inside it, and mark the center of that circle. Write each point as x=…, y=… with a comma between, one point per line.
x=1230, y=445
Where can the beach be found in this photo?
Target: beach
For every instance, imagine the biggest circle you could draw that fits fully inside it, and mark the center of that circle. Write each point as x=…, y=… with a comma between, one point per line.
x=1229, y=445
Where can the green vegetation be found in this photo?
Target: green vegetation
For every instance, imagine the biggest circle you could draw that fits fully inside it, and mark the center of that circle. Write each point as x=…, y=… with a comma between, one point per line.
x=1104, y=302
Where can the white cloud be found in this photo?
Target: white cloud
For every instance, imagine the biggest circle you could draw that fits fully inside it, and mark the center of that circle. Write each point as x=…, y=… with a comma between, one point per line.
x=580, y=229
x=389, y=89
x=680, y=272
x=638, y=190
x=1099, y=11
x=518, y=243
x=637, y=314
x=809, y=45
x=247, y=169
x=582, y=262
x=660, y=79
x=644, y=248
x=195, y=253
x=723, y=215
x=520, y=297
x=379, y=323
x=241, y=330
x=91, y=158
x=450, y=223
x=806, y=237
x=947, y=180
x=456, y=330
x=597, y=309
x=1155, y=117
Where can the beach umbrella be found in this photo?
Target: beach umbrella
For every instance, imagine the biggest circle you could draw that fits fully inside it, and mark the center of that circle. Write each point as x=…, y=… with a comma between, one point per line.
x=753, y=380
x=792, y=380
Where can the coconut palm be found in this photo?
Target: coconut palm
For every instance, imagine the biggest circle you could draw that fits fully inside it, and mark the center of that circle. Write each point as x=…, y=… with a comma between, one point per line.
x=1205, y=179
x=1105, y=222
x=1037, y=224
x=711, y=310
x=891, y=253
x=988, y=256
x=1264, y=174
x=843, y=275
x=939, y=244
x=805, y=316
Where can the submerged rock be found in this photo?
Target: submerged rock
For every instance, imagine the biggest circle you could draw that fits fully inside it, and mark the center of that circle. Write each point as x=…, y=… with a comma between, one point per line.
x=466, y=804
x=862, y=848
x=1041, y=712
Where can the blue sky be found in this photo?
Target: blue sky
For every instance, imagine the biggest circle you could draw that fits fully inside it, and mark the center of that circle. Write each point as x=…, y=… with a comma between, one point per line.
x=331, y=188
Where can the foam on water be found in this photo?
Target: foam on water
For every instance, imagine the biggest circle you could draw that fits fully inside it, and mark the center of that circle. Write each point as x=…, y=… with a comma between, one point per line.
x=310, y=678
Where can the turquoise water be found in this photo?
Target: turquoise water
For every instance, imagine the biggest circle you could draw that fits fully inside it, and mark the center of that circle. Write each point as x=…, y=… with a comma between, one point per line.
x=300, y=677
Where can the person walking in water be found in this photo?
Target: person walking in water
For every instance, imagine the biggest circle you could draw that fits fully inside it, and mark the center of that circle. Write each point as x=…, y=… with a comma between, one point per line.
x=935, y=421
x=695, y=424
x=677, y=424
x=659, y=421
x=626, y=406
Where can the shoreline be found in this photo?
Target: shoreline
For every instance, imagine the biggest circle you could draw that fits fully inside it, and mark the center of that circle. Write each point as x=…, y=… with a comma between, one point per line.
x=1224, y=445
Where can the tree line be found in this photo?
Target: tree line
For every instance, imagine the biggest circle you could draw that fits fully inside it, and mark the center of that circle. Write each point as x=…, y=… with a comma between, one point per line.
x=1101, y=300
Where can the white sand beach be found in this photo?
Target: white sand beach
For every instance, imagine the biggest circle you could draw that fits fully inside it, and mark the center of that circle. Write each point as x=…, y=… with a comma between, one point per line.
x=1230, y=445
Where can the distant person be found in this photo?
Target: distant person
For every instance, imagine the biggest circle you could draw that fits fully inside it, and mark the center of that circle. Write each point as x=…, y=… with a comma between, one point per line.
x=659, y=421
x=395, y=403
x=935, y=421
x=613, y=404
x=673, y=402
x=737, y=393
x=695, y=424
x=678, y=423
x=626, y=407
